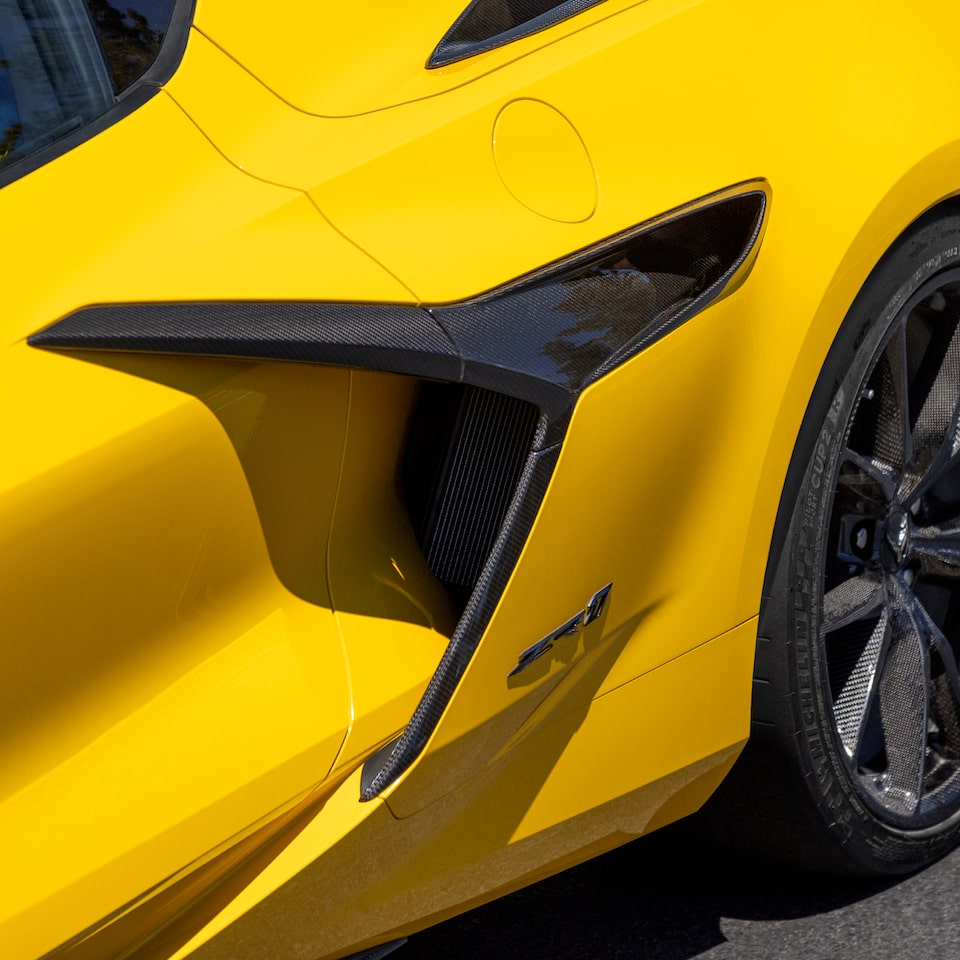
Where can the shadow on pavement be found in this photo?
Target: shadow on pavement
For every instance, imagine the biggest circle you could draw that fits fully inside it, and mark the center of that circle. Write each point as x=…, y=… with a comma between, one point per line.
x=659, y=898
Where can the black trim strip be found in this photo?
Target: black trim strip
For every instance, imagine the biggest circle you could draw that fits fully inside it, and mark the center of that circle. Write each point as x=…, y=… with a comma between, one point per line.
x=620, y=299
x=403, y=340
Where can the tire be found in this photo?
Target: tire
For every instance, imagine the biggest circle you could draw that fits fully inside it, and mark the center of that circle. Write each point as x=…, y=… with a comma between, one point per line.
x=854, y=760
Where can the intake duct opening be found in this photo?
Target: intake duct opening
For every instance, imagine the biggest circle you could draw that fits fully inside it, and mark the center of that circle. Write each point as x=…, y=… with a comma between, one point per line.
x=464, y=457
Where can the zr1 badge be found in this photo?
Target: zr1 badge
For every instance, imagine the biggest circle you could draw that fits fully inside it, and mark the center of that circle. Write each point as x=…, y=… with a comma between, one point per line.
x=591, y=612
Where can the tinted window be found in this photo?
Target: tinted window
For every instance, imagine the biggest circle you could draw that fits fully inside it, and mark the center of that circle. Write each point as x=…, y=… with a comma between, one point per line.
x=53, y=78
x=131, y=35
x=62, y=63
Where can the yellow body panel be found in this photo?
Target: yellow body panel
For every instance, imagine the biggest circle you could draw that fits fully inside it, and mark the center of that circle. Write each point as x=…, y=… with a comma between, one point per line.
x=361, y=870
x=320, y=63
x=215, y=605
x=579, y=544
x=162, y=695
x=378, y=574
x=246, y=239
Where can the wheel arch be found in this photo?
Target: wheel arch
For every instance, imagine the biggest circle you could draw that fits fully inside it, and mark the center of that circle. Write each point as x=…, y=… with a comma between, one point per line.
x=924, y=192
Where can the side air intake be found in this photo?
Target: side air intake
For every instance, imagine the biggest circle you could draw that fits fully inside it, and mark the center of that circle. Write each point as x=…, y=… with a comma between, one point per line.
x=464, y=457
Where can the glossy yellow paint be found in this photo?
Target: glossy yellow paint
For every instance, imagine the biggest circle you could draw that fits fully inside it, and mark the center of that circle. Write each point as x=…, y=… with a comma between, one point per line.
x=212, y=595
x=287, y=424
x=447, y=242
x=319, y=62
x=189, y=227
x=162, y=690
x=543, y=163
x=394, y=616
x=547, y=803
x=633, y=502
x=648, y=154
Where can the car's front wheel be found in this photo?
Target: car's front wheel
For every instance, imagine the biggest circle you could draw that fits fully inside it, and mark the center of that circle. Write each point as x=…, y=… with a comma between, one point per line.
x=854, y=760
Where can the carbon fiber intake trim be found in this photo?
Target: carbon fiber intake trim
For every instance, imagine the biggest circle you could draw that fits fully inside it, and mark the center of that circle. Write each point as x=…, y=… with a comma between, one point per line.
x=398, y=339
x=487, y=24
x=496, y=572
x=548, y=335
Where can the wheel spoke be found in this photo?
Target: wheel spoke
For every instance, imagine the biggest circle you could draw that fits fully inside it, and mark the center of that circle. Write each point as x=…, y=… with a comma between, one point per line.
x=854, y=599
x=938, y=548
x=896, y=353
x=945, y=692
x=852, y=703
x=936, y=434
x=884, y=475
x=937, y=420
x=946, y=458
x=903, y=691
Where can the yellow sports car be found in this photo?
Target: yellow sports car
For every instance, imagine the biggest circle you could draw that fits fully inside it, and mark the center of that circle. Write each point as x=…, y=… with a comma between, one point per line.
x=437, y=432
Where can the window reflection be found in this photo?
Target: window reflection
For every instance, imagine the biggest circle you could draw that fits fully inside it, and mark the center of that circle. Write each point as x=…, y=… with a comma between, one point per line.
x=131, y=35
x=54, y=76
x=62, y=63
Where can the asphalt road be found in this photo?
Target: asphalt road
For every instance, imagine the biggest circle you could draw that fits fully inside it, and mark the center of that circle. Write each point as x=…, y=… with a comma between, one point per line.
x=665, y=897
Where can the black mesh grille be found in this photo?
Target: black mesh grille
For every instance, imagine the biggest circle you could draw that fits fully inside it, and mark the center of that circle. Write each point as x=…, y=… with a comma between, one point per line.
x=467, y=448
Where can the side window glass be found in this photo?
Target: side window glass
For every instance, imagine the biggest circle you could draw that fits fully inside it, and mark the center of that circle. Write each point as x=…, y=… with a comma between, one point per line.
x=131, y=34
x=63, y=63
x=53, y=77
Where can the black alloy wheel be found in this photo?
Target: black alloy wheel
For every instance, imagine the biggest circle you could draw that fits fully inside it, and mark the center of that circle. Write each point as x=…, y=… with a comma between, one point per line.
x=890, y=625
